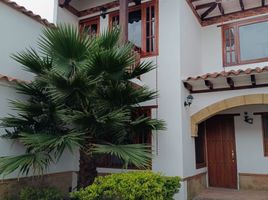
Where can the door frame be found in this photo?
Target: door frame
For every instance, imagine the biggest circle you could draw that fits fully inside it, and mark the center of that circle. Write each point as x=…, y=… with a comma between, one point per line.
x=235, y=152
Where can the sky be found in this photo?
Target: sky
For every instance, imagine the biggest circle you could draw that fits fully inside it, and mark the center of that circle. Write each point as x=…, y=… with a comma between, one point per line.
x=44, y=8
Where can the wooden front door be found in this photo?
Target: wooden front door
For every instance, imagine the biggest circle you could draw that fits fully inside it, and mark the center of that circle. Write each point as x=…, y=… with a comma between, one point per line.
x=221, y=152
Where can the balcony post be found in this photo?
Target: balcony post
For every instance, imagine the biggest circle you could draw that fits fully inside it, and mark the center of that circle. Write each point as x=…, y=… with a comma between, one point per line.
x=124, y=20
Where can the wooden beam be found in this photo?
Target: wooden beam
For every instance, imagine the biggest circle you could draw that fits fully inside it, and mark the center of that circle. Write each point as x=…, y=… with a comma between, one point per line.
x=208, y=11
x=230, y=82
x=221, y=8
x=235, y=15
x=241, y=2
x=253, y=80
x=188, y=86
x=123, y=15
x=209, y=84
x=206, y=5
x=226, y=89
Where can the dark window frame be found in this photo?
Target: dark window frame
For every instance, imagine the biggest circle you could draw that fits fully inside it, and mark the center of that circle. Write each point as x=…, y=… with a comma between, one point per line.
x=201, y=147
x=90, y=21
x=143, y=7
x=235, y=26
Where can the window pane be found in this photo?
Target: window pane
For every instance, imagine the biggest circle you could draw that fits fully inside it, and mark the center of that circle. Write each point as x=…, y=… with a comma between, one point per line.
x=152, y=14
x=254, y=41
x=91, y=30
x=148, y=45
x=134, y=27
x=115, y=22
x=228, y=58
x=148, y=14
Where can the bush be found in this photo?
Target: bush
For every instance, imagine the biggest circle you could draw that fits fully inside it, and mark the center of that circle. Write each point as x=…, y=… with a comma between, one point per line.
x=32, y=193
x=131, y=186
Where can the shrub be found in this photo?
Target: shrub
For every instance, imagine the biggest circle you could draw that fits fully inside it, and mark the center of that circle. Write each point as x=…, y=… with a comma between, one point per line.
x=35, y=193
x=131, y=186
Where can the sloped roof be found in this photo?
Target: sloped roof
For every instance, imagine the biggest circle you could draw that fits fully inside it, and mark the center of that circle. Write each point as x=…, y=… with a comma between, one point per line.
x=11, y=79
x=28, y=13
x=248, y=71
x=228, y=80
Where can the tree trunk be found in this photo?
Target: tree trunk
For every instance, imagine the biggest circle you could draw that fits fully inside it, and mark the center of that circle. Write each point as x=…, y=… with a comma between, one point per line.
x=88, y=170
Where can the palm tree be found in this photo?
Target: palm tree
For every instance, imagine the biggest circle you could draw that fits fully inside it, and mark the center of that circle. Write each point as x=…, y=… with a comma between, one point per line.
x=82, y=98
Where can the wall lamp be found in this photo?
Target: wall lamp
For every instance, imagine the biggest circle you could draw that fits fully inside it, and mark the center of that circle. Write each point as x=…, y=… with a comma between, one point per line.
x=248, y=119
x=103, y=13
x=137, y=2
x=188, y=101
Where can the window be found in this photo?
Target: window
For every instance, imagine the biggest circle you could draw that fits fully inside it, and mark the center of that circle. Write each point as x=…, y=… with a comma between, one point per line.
x=245, y=42
x=265, y=133
x=142, y=27
x=200, y=147
x=91, y=26
x=145, y=137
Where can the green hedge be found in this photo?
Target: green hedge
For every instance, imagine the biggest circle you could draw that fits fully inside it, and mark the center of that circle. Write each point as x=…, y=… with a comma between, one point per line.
x=36, y=193
x=131, y=186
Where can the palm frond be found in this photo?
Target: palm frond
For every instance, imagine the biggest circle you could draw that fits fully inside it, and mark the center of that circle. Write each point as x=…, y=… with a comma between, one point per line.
x=32, y=62
x=143, y=68
x=37, y=162
x=52, y=142
x=66, y=46
x=109, y=39
x=139, y=155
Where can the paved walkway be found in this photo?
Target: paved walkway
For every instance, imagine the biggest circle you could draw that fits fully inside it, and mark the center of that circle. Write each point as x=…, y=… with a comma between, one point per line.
x=226, y=194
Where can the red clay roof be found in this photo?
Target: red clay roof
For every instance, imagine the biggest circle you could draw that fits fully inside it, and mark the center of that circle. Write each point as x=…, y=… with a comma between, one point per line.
x=11, y=79
x=27, y=12
x=229, y=73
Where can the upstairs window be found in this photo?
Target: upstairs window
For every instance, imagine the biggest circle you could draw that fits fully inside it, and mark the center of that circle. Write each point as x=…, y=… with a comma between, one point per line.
x=142, y=27
x=91, y=26
x=245, y=42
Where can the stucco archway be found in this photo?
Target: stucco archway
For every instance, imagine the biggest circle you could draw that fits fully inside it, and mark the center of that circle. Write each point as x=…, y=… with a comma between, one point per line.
x=209, y=111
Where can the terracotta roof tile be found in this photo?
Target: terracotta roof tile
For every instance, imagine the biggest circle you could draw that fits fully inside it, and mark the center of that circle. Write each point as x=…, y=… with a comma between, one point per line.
x=27, y=12
x=11, y=79
x=229, y=73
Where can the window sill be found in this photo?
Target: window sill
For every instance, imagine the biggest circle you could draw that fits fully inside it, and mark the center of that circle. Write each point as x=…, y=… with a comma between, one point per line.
x=247, y=62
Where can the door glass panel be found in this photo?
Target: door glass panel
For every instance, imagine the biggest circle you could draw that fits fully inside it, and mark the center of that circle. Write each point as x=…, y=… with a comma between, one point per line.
x=254, y=41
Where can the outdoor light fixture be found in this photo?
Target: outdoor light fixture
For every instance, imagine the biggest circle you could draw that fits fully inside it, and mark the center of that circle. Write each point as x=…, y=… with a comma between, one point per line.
x=103, y=12
x=188, y=101
x=137, y=2
x=248, y=119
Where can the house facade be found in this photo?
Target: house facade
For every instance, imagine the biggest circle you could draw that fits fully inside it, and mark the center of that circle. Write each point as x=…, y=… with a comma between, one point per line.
x=210, y=59
x=211, y=74
x=20, y=29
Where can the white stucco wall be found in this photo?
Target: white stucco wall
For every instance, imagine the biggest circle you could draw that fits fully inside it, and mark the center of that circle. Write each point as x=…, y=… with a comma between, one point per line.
x=191, y=42
x=63, y=16
x=18, y=32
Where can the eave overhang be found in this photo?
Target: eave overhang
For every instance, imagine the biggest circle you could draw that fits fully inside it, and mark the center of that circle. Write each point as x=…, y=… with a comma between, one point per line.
x=210, y=12
x=228, y=80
